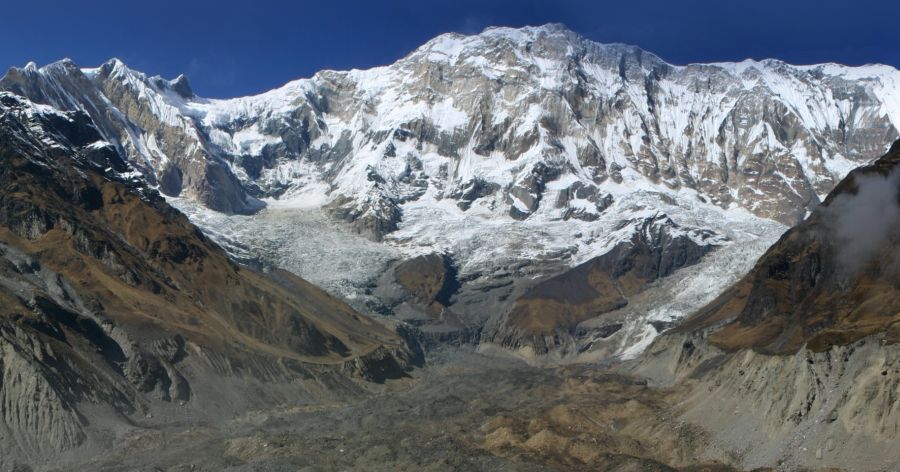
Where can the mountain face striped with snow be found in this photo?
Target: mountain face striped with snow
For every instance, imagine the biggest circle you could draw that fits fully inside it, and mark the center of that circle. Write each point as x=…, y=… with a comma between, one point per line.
x=500, y=115
x=510, y=145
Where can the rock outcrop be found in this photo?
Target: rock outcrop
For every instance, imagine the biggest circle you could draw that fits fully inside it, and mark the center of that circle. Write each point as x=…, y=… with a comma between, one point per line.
x=430, y=279
x=547, y=314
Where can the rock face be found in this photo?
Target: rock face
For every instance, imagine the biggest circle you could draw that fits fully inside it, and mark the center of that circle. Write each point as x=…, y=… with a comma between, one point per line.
x=808, y=410
x=112, y=302
x=167, y=148
x=798, y=363
x=429, y=279
x=831, y=280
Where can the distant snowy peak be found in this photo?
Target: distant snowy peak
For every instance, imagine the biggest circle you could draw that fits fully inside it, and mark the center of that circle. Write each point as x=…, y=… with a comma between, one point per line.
x=115, y=69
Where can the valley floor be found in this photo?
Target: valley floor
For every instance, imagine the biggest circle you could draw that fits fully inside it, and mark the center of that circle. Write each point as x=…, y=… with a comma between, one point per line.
x=465, y=411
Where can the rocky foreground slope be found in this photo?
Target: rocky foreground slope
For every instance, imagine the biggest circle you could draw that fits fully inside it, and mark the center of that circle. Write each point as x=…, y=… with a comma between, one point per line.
x=117, y=314
x=798, y=364
x=516, y=153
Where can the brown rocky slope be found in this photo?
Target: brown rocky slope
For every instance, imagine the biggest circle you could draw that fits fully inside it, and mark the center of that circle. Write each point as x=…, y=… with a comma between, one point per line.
x=114, y=307
x=798, y=364
x=548, y=313
x=831, y=280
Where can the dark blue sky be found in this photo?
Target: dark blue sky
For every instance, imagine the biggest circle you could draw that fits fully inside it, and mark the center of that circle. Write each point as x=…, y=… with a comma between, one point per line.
x=229, y=48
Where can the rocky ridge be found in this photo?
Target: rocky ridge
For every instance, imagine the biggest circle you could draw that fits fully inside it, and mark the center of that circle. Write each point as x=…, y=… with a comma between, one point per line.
x=117, y=312
x=797, y=364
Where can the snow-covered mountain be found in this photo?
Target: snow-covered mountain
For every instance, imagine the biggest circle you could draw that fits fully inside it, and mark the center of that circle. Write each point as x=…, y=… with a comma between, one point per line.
x=518, y=152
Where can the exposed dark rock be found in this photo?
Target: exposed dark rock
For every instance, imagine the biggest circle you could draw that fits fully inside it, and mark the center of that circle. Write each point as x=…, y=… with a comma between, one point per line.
x=374, y=219
x=546, y=315
x=430, y=279
x=472, y=190
x=170, y=181
x=525, y=196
